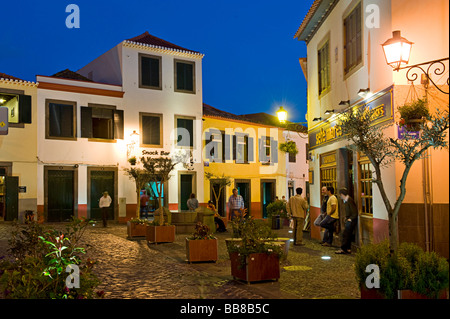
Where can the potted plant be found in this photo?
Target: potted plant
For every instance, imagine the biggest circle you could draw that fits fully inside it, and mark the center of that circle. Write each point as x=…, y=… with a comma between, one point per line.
x=201, y=246
x=410, y=273
x=254, y=258
x=412, y=114
x=137, y=227
x=289, y=147
x=132, y=160
x=160, y=233
x=275, y=210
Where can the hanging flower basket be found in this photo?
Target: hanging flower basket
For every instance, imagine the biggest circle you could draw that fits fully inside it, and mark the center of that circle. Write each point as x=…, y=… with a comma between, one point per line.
x=412, y=114
x=289, y=147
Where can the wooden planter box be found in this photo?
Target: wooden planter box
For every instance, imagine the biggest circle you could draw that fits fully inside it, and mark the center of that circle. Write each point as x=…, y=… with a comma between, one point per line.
x=160, y=234
x=370, y=293
x=201, y=250
x=136, y=230
x=258, y=267
x=409, y=294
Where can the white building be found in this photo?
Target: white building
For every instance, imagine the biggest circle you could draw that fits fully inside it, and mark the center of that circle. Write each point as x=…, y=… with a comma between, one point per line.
x=144, y=88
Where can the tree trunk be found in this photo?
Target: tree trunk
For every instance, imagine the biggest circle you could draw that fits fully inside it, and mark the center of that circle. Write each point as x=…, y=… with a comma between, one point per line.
x=138, y=205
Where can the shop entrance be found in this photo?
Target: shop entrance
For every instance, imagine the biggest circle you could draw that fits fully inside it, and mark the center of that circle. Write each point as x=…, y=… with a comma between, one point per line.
x=186, y=188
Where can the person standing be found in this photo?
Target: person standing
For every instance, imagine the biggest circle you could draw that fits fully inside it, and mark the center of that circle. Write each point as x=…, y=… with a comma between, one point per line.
x=236, y=205
x=192, y=203
x=297, y=207
x=331, y=218
x=144, y=201
x=323, y=207
x=351, y=220
x=104, y=203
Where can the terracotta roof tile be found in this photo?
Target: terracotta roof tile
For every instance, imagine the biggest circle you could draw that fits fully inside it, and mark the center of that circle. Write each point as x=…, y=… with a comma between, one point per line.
x=147, y=38
x=68, y=74
x=9, y=77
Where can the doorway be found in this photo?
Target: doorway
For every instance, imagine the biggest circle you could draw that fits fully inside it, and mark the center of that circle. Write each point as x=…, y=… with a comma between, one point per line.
x=267, y=194
x=60, y=196
x=101, y=180
x=243, y=187
x=9, y=197
x=186, y=188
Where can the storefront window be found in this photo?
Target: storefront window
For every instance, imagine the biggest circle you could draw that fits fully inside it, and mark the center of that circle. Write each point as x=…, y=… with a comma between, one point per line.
x=328, y=170
x=366, y=188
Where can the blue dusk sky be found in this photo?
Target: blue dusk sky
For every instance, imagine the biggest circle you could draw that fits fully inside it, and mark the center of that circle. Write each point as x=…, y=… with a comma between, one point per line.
x=251, y=58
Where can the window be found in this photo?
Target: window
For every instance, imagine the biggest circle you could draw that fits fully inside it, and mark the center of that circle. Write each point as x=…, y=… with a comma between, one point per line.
x=185, y=131
x=324, y=67
x=292, y=158
x=61, y=119
x=184, y=76
x=264, y=150
x=366, y=187
x=149, y=72
x=215, y=140
x=151, y=130
x=102, y=122
x=352, y=39
x=19, y=107
x=240, y=148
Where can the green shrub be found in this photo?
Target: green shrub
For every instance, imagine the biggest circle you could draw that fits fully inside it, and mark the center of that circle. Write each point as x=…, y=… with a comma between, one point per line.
x=410, y=268
x=40, y=257
x=277, y=207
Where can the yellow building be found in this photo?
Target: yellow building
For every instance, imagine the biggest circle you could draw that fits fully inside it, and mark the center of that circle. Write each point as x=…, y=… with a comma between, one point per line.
x=248, y=153
x=18, y=148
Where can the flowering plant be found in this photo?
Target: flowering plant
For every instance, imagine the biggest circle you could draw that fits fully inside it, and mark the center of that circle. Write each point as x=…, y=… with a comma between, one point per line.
x=202, y=231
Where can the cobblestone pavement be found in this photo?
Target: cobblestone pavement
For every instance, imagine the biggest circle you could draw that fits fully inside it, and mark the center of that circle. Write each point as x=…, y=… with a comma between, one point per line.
x=134, y=269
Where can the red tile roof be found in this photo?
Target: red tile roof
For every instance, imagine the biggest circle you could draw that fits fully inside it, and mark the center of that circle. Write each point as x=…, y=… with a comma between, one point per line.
x=9, y=77
x=308, y=17
x=68, y=74
x=147, y=38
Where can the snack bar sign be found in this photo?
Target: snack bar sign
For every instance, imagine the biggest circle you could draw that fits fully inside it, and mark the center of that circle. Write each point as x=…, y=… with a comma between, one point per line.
x=3, y=120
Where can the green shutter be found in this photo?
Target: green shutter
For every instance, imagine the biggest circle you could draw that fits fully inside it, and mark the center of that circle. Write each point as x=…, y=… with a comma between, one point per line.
x=118, y=124
x=86, y=122
x=25, y=109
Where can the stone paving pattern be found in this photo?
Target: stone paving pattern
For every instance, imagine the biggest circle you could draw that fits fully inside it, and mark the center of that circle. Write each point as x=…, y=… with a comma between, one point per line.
x=137, y=270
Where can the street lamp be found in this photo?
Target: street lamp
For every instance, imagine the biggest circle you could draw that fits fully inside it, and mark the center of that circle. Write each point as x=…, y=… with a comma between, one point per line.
x=397, y=51
x=282, y=115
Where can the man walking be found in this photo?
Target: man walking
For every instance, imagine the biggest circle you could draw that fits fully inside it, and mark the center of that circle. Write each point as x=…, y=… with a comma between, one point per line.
x=323, y=207
x=297, y=207
x=351, y=219
x=104, y=203
x=331, y=218
x=236, y=205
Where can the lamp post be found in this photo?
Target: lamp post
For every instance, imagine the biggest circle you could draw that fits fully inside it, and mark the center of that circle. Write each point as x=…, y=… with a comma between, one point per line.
x=397, y=51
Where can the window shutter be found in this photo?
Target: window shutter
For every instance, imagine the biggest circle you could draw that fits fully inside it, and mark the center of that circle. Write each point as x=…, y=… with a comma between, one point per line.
x=118, y=124
x=86, y=121
x=227, y=147
x=25, y=109
x=262, y=150
x=209, y=146
x=234, y=147
x=273, y=151
x=251, y=150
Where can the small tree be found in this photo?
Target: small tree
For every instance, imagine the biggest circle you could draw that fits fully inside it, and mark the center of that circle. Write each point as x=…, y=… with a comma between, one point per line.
x=140, y=177
x=158, y=170
x=381, y=150
x=221, y=180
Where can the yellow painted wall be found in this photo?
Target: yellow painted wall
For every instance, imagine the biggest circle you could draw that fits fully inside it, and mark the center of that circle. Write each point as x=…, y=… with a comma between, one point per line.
x=254, y=171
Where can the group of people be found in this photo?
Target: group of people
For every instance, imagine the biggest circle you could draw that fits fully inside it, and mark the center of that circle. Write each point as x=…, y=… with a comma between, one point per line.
x=297, y=208
x=329, y=217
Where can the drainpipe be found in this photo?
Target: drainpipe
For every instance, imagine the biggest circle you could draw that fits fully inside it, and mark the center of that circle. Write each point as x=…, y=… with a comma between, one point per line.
x=425, y=198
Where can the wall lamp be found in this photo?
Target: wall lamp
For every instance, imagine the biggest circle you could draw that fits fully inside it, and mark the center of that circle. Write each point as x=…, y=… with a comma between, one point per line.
x=329, y=112
x=317, y=119
x=344, y=102
x=364, y=93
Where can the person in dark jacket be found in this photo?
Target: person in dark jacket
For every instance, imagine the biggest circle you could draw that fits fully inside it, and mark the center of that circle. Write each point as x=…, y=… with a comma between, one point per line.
x=351, y=220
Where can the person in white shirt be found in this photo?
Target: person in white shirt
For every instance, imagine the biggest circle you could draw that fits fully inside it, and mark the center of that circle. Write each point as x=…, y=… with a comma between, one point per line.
x=104, y=203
